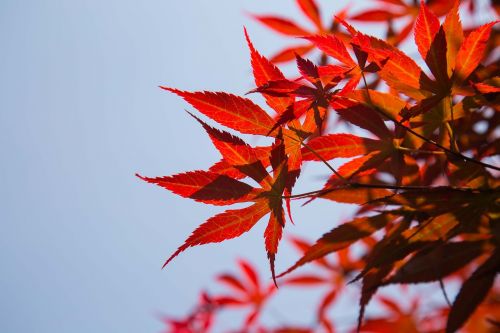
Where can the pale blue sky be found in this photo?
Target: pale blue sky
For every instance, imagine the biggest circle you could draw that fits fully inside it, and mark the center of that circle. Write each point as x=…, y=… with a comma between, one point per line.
x=82, y=239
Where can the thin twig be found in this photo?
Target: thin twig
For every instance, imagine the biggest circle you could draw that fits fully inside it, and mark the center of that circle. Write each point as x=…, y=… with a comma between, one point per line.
x=456, y=154
x=390, y=187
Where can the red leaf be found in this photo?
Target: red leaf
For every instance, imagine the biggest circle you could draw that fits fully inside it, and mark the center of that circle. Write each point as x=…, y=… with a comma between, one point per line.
x=338, y=145
x=206, y=187
x=235, y=112
x=281, y=25
x=227, y=300
x=252, y=295
x=352, y=83
x=250, y=273
x=426, y=27
x=281, y=88
x=440, y=7
x=431, y=43
x=360, y=166
x=223, y=168
x=289, y=53
x=305, y=280
x=341, y=237
x=227, y=225
x=265, y=71
x=273, y=235
x=376, y=15
x=232, y=281
x=332, y=71
x=325, y=303
x=361, y=116
x=395, y=2
x=454, y=36
x=484, y=88
x=310, y=9
x=334, y=47
x=400, y=72
x=238, y=154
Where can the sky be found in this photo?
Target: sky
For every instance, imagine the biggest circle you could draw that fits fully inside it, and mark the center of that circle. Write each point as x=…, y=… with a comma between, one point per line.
x=83, y=240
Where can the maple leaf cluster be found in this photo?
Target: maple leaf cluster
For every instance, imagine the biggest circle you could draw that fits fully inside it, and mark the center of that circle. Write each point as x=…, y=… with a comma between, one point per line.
x=423, y=176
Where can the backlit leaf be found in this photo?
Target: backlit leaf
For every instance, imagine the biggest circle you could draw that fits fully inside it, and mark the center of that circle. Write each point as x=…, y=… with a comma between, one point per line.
x=471, y=52
x=227, y=225
x=235, y=112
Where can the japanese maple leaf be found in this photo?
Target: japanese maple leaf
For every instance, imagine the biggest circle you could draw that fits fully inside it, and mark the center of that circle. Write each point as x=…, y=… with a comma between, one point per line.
x=264, y=71
x=384, y=153
x=398, y=10
x=473, y=292
x=486, y=317
x=331, y=275
x=314, y=94
x=449, y=60
x=198, y=321
x=341, y=237
x=333, y=46
x=288, y=28
x=212, y=188
x=286, y=329
x=399, y=71
x=248, y=291
x=398, y=319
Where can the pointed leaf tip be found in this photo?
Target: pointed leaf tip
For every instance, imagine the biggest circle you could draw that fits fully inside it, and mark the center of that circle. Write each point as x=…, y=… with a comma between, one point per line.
x=227, y=225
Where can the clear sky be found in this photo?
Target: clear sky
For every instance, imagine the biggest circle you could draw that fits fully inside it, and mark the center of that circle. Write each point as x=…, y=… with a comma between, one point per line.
x=82, y=240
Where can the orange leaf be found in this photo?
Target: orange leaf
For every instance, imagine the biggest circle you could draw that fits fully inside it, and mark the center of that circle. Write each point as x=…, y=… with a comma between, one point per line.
x=358, y=196
x=471, y=52
x=454, y=36
x=389, y=104
x=426, y=27
x=431, y=43
x=235, y=112
x=403, y=74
